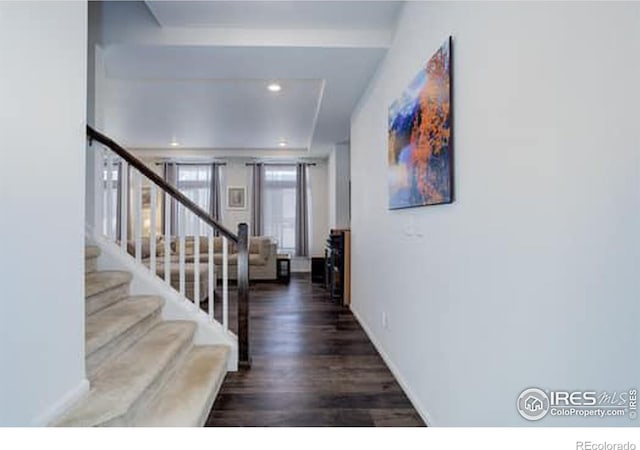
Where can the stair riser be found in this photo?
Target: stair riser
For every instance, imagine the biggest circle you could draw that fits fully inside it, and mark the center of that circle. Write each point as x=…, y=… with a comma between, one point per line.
x=204, y=414
x=102, y=355
x=143, y=402
x=188, y=398
x=106, y=298
x=90, y=265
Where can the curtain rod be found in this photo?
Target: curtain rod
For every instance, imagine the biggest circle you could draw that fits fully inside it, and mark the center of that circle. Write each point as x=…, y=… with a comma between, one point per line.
x=278, y=164
x=201, y=163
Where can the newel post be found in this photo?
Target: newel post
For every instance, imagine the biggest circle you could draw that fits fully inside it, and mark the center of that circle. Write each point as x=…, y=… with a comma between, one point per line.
x=244, y=358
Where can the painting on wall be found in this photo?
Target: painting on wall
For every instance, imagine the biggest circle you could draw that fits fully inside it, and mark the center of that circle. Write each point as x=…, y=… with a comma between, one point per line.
x=420, y=137
x=236, y=197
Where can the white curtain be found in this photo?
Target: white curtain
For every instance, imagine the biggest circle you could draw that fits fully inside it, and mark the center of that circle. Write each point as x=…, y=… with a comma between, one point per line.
x=170, y=176
x=112, y=223
x=279, y=206
x=196, y=182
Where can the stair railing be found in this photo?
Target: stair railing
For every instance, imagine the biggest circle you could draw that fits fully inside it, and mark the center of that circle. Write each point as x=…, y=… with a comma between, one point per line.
x=115, y=168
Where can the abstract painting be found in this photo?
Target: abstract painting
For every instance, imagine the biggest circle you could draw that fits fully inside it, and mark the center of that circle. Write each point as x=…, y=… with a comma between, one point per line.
x=420, y=137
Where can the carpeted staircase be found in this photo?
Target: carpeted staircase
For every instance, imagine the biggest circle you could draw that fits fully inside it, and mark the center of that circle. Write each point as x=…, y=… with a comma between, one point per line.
x=143, y=371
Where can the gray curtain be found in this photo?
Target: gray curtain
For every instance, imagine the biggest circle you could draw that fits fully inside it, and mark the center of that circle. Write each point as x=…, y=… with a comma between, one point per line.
x=302, y=211
x=214, y=194
x=170, y=171
x=256, y=199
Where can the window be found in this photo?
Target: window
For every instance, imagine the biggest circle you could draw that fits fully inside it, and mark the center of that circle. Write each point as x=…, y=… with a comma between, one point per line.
x=111, y=223
x=194, y=181
x=279, y=206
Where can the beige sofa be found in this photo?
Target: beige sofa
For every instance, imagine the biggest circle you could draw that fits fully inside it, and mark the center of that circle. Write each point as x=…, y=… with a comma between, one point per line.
x=262, y=261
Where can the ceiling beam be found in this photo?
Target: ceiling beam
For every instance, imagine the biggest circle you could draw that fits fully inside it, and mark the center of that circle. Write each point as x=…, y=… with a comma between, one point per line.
x=236, y=37
x=132, y=23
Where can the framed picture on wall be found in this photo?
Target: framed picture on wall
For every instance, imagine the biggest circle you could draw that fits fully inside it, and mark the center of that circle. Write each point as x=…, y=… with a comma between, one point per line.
x=420, y=137
x=236, y=197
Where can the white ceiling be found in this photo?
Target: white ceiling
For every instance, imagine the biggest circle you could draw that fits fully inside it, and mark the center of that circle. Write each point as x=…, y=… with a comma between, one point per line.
x=276, y=14
x=221, y=114
x=207, y=95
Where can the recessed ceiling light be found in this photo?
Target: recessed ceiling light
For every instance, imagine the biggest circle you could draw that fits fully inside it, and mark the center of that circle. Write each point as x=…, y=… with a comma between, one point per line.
x=174, y=144
x=274, y=87
x=282, y=143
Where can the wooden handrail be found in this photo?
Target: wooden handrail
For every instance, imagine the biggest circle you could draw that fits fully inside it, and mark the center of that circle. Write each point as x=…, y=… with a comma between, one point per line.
x=161, y=183
x=241, y=239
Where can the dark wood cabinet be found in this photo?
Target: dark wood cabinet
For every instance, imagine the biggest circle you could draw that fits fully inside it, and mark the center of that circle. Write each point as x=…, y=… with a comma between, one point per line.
x=318, y=269
x=284, y=268
x=338, y=265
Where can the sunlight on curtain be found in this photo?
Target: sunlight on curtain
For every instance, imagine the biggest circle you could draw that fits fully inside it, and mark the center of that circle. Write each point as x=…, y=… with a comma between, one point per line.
x=279, y=206
x=113, y=222
x=194, y=181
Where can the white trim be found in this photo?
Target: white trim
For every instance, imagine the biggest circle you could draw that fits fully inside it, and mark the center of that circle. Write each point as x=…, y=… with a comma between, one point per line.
x=54, y=412
x=424, y=414
x=300, y=264
x=314, y=124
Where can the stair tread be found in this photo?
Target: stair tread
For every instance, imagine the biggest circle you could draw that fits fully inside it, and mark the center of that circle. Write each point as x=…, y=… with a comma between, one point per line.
x=97, y=282
x=119, y=383
x=91, y=251
x=188, y=396
x=111, y=322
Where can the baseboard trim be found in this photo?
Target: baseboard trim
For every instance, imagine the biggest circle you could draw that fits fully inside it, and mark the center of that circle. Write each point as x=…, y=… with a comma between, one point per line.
x=55, y=412
x=424, y=414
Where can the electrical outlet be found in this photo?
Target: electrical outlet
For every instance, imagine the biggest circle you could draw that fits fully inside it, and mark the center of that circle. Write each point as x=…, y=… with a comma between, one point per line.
x=385, y=321
x=410, y=227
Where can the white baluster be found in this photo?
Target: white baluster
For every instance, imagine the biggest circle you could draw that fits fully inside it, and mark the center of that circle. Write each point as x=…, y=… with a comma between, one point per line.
x=211, y=279
x=152, y=225
x=225, y=283
x=109, y=214
x=138, y=216
x=167, y=238
x=181, y=227
x=124, y=205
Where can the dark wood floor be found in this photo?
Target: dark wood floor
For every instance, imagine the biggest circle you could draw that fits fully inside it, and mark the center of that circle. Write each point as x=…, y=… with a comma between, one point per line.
x=313, y=365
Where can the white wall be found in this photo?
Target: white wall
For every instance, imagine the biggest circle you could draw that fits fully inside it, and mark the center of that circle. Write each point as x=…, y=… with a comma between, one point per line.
x=339, y=178
x=96, y=90
x=331, y=187
x=531, y=277
x=42, y=120
x=319, y=207
x=236, y=173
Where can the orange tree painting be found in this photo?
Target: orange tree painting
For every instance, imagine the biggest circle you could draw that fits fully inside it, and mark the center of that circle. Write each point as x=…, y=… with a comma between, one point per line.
x=420, y=151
